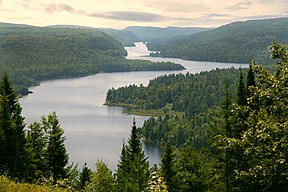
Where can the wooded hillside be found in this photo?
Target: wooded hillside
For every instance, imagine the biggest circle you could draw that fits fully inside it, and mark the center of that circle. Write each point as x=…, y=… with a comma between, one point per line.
x=237, y=42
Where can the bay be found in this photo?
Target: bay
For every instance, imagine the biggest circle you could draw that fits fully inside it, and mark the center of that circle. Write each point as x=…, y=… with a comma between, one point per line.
x=95, y=131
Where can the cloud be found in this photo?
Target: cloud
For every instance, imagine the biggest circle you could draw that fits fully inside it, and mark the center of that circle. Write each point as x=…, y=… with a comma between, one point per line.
x=57, y=8
x=130, y=16
x=180, y=7
x=244, y=4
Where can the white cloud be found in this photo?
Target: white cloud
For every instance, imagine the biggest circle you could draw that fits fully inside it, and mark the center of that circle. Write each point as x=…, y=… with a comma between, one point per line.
x=121, y=13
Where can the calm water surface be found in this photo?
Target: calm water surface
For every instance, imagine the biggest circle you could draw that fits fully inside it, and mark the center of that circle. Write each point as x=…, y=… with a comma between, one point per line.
x=95, y=131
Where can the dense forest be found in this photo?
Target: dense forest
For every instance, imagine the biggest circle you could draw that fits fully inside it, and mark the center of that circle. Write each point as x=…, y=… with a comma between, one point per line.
x=238, y=143
x=223, y=130
x=246, y=144
x=159, y=35
x=237, y=42
x=127, y=38
x=31, y=54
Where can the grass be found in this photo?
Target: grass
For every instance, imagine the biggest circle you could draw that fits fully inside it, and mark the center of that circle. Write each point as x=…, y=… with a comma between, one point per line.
x=7, y=185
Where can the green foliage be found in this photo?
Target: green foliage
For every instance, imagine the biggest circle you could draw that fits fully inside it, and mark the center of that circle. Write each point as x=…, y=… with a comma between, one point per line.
x=192, y=95
x=7, y=185
x=257, y=155
x=194, y=170
x=167, y=171
x=237, y=42
x=32, y=54
x=156, y=34
x=56, y=152
x=133, y=168
x=84, y=178
x=157, y=183
x=102, y=179
x=13, y=158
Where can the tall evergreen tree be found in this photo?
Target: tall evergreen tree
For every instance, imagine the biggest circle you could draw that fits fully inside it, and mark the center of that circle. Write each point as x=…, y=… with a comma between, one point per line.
x=123, y=168
x=20, y=156
x=85, y=177
x=241, y=91
x=56, y=151
x=167, y=166
x=133, y=167
x=139, y=166
x=250, y=77
x=13, y=154
x=134, y=144
x=37, y=142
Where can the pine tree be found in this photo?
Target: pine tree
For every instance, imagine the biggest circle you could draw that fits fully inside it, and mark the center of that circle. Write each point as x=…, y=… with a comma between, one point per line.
x=20, y=156
x=134, y=144
x=13, y=154
x=167, y=166
x=56, y=151
x=85, y=177
x=37, y=142
x=250, y=78
x=139, y=166
x=241, y=91
x=133, y=168
x=123, y=169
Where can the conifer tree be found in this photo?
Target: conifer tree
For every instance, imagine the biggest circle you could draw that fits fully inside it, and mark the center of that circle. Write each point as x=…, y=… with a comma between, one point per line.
x=133, y=168
x=85, y=177
x=167, y=166
x=56, y=151
x=20, y=156
x=37, y=142
x=123, y=169
x=250, y=78
x=241, y=91
x=13, y=154
x=139, y=166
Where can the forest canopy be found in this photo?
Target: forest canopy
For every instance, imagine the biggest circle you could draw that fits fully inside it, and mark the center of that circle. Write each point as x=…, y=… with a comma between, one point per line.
x=238, y=42
x=31, y=54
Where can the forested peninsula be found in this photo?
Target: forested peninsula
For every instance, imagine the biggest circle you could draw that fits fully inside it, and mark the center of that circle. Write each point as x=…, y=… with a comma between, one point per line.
x=223, y=130
x=32, y=54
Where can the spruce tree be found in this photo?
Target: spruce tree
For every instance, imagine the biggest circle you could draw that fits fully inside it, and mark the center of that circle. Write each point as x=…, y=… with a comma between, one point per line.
x=13, y=154
x=56, y=151
x=85, y=177
x=241, y=91
x=37, y=142
x=20, y=156
x=167, y=166
x=133, y=167
x=123, y=169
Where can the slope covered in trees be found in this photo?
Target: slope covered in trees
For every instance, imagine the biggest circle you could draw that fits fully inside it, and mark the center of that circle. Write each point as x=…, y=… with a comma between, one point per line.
x=127, y=38
x=148, y=34
x=246, y=150
x=237, y=42
x=246, y=136
x=31, y=54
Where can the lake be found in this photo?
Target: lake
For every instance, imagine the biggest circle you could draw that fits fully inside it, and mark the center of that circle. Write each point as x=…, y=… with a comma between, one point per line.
x=95, y=131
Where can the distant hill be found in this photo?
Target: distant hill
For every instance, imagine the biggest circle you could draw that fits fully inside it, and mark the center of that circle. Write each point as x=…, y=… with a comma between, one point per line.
x=127, y=38
x=237, y=42
x=6, y=25
x=149, y=34
x=31, y=54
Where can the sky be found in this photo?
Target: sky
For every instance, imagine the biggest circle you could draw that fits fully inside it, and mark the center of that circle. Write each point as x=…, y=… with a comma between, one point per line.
x=119, y=14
